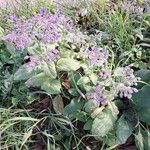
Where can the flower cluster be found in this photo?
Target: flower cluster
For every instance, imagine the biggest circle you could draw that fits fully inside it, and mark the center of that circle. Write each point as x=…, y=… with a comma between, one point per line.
x=20, y=34
x=105, y=72
x=46, y=27
x=126, y=81
x=122, y=83
x=49, y=56
x=126, y=91
x=97, y=56
x=98, y=95
x=131, y=7
x=79, y=38
x=74, y=3
x=121, y=80
x=33, y=62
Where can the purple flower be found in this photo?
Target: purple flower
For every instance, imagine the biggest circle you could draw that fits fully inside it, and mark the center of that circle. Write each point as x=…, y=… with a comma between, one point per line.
x=52, y=56
x=130, y=78
x=43, y=27
x=97, y=56
x=138, y=10
x=49, y=56
x=102, y=100
x=33, y=63
x=43, y=11
x=20, y=40
x=57, y=1
x=60, y=10
x=147, y=9
x=14, y=18
x=51, y=38
x=98, y=95
x=126, y=81
x=126, y=91
x=105, y=72
x=131, y=7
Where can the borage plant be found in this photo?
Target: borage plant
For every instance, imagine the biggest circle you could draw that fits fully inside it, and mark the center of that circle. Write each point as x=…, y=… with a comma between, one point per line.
x=68, y=64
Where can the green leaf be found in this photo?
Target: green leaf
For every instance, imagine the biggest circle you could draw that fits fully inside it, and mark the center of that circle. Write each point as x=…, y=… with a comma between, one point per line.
x=144, y=115
x=23, y=73
x=74, y=107
x=73, y=78
x=148, y=140
x=119, y=104
x=141, y=99
x=144, y=74
x=1, y=31
x=88, y=125
x=93, y=77
x=15, y=101
x=64, y=53
x=124, y=130
x=68, y=64
x=146, y=45
x=83, y=80
x=86, y=68
x=33, y=49
x=81, y=116
x=50, y=69
x=139, y=141
x=11, y=49
x=53, y=87
x=96, y=112
x=58, y=104
x=73, y=92
x=87, y=88
x=103, y=123
x=111, y=139
x=90, y=106
x=38, y=80
x=142, y=139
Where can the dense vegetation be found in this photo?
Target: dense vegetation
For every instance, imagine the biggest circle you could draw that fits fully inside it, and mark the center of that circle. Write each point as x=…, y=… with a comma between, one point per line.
x=75, y=75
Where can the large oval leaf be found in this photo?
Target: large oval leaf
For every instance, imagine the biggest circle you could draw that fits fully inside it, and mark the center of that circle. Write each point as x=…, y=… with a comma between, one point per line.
x=141, y=99
x=90, y=106
x=74, y=107
x=68, y=64
x=144, y=115
x=103, y=123
x=53, y=87
x=23, y=73
x=124, y=130
x=144, y=74
x=50, y=69
x=37, y=80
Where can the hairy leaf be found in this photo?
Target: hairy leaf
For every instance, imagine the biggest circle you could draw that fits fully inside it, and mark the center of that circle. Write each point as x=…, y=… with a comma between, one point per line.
x=103, y=123
x=54, y=87
x=142, y=98
x=23, y=73
x=124, y=130
x=68, y=64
